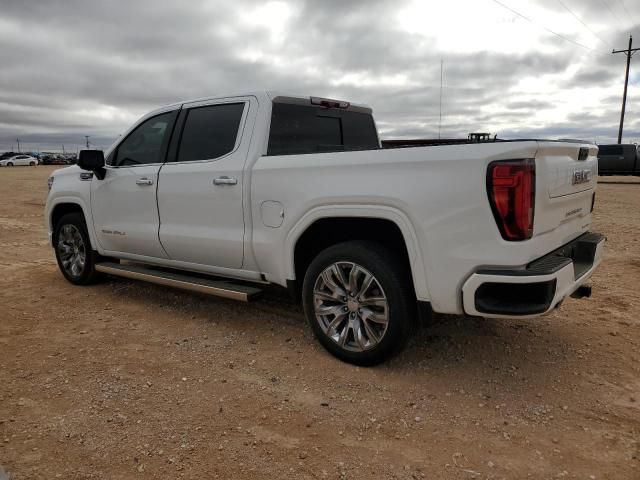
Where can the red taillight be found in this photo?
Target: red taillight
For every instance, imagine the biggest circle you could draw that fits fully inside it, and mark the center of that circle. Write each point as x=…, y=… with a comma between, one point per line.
x=511, y=186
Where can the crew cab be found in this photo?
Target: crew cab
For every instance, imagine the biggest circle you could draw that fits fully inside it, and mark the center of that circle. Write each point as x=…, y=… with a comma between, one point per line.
x=224, y=195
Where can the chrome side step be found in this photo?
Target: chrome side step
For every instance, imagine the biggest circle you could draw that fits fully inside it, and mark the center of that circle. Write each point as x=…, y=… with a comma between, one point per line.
x=219, y=288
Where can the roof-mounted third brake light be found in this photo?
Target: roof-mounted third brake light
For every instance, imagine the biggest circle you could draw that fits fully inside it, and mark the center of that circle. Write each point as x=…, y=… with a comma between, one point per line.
x=328, y=103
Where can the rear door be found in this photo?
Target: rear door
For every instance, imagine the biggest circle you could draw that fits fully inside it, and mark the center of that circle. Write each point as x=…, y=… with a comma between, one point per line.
x=200, y=189
x=123, y=204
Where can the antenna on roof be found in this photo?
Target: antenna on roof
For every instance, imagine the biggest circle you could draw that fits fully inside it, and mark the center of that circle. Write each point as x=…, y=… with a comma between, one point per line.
x=440, y=120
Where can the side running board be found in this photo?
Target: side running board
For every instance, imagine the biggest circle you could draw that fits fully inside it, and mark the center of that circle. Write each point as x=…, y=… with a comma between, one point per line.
x=218, y=288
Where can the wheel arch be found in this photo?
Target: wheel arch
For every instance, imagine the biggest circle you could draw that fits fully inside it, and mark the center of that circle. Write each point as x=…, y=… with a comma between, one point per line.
x=64, y=206
x=303, y=242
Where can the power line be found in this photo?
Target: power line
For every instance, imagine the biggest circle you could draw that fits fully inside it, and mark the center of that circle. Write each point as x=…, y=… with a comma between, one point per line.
x=628, y=13
x=585, y=25
x=545, y=28
x=612, y=11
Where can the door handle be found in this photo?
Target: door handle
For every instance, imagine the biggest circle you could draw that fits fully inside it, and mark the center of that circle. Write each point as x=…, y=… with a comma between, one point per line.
x=144, y=181
x=224, y=180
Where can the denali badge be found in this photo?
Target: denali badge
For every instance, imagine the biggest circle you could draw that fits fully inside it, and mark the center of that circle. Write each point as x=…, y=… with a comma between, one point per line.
x=573, y=212
x=581, y=176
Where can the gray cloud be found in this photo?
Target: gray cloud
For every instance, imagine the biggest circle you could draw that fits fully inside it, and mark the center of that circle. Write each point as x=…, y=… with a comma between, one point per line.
x=74, y=68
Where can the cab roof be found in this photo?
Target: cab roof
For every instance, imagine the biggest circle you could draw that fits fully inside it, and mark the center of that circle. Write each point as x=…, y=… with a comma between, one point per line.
x=276, y=96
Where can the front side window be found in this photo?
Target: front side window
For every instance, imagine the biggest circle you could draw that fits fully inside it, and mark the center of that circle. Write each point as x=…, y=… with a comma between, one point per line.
x=144, y=144
x=210, y=132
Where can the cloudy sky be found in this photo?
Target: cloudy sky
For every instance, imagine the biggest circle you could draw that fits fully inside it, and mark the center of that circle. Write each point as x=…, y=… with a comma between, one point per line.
x=72, y=68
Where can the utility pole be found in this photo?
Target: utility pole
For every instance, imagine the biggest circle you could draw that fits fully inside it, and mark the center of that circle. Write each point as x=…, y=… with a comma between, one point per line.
x=18, y=140
x=629, y=53
x=87, y=137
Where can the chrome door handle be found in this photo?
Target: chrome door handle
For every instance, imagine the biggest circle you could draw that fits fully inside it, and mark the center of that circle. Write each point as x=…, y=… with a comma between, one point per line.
x=224, y=180
x=144, y=181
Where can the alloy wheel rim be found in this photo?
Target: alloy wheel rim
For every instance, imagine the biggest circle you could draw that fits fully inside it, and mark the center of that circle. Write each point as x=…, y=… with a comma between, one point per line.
x=350, y=306
x=71, y=250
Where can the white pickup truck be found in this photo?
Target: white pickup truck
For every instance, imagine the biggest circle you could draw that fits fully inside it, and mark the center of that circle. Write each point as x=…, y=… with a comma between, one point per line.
x=223, y=195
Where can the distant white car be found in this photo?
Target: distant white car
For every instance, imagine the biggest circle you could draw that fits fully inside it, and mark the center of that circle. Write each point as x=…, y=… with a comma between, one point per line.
x=19, y=160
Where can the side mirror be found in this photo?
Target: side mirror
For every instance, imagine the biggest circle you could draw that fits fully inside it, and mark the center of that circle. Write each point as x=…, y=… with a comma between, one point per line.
x=92, y=160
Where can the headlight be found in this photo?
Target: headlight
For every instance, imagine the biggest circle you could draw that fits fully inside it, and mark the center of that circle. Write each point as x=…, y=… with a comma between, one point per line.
x=50, y=182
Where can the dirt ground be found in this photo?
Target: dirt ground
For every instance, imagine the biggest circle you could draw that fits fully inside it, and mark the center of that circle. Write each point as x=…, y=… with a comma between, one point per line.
x=128, y=380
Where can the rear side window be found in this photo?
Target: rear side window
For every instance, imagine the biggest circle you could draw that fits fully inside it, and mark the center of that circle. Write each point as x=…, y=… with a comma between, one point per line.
x=298, y=129
x=610, y=150
x=210, y=132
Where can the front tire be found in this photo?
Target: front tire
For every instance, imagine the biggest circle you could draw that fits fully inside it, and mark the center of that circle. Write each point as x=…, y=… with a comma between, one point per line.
x=32, y=164
x=358, y=299
x=9, y=164
x=75, y=257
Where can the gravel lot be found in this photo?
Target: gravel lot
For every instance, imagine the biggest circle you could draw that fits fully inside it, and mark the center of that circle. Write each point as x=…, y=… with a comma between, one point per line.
x=127, y=380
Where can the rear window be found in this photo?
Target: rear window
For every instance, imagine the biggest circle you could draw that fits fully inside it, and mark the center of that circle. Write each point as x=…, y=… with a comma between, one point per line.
x=299, y=129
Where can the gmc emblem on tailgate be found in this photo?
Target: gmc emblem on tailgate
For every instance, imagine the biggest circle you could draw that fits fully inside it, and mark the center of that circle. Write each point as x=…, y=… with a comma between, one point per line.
x=581, y=176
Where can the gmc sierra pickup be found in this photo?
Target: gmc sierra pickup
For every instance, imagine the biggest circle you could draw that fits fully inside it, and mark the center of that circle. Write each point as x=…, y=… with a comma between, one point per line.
x=222, y=195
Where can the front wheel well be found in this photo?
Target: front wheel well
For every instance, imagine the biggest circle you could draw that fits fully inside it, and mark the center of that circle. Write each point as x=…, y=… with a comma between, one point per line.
x=326, y=232
x=62, y=209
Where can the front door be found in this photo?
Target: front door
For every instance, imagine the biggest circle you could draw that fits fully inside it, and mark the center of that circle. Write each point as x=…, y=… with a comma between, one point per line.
x=123, y=204
x=200, y=188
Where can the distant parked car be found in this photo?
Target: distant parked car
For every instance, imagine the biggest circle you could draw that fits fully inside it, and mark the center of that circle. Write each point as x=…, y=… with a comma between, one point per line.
x=19, y=160
x=618, y=159
x=6, y=155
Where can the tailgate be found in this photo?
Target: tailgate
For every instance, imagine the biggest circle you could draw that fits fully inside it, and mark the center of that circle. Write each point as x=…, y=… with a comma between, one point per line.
x=566, y=180
x=570, y=168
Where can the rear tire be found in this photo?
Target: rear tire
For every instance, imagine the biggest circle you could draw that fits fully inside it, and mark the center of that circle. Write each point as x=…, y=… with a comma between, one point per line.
x=72, y=245
x=359, y=300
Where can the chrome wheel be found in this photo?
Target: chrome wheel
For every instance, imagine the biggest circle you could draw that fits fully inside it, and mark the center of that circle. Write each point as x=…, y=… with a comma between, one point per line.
x=350, y=306
x=71, y=250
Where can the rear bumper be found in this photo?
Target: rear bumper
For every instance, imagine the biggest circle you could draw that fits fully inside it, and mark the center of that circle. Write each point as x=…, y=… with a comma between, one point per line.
x=537, y=288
